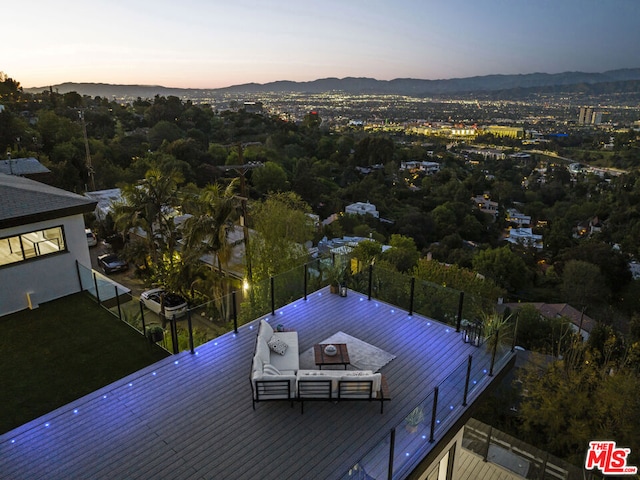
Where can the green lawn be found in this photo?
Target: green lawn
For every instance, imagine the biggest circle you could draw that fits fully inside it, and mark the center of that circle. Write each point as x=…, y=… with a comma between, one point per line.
x=61, y=351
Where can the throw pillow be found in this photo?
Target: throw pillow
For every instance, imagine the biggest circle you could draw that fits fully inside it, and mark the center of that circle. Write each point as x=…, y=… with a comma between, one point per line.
x=271, y=370
x=277, y=345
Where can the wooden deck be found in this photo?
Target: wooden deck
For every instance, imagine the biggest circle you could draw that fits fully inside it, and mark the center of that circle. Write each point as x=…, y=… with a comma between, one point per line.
x=190, y=416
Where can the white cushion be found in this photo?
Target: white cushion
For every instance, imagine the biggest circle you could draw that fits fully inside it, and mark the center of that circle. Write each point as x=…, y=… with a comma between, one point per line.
x=278, y=345
x=290, y=360
x=262, y=350
x=266, y=331
x=270, y=370
x=257, y=363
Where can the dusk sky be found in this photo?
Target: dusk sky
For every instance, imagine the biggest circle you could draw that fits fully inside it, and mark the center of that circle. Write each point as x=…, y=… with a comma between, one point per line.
x=212, y=43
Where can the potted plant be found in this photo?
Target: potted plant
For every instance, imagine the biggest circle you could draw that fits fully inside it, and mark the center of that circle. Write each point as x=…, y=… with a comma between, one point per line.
x=336, y=275
x=155, y=333
x=415, y=418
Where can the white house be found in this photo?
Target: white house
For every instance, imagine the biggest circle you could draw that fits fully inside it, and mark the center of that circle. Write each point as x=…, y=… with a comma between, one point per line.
x=361, y=208
x=525, y=236
x=42, y=235
x=520, y=219
x=486, y=205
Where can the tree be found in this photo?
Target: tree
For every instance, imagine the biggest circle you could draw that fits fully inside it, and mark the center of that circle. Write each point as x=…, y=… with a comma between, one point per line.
x=270, y=178
x=583, y=284
x=282, y=227
x=214, y=210
x=580, y=398
x=367, y=251
x=503, y=266
x=150, y=206
x=403, y=253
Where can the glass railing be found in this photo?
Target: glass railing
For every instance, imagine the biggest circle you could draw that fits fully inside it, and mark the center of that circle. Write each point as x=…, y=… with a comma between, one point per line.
x=225, y=313
x=399, y=452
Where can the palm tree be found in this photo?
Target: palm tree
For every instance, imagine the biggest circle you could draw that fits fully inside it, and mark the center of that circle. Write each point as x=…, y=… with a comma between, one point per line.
x=207, y=231
x=150, y=206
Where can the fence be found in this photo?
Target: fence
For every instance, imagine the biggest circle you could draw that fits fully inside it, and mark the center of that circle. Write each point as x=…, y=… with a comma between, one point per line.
x=521, y=458
x=225, y=313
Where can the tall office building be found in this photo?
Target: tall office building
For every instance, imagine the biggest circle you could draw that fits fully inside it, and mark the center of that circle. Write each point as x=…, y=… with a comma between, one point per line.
x=584, y=118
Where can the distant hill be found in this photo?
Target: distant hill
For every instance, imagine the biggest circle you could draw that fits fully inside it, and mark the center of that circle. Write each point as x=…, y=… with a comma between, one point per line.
x=352, y=85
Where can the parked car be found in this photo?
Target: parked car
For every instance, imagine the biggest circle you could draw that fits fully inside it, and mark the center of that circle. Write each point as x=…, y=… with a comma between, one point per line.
x=174, y=304
x=110, y=263
x=91, y=237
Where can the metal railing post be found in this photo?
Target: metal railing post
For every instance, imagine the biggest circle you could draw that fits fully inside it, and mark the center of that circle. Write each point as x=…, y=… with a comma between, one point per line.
x=273, y=297
x=370, y=280
x=118, y=302
x=190, y=326
x=174, y=334
x=79, y=276
x=515, y=333
x=466, y=383
x=392, y=447
x=144, y=328
x=235, y=312
x=486, y=452
x=413, y=288
x=460, y=303
x=95, y=283
x=495, y=349
x=306, y=275
x=433, y=413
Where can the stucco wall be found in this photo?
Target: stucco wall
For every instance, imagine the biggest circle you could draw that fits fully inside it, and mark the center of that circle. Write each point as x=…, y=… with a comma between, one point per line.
x=48, y=277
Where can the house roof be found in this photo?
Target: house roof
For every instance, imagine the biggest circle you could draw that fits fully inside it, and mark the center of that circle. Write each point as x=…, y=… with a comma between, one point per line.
x=24, y=201
x=191, y=416
x=22, y=166
x=556, y=310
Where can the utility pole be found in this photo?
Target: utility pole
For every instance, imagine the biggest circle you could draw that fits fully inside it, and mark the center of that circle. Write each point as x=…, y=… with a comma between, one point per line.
x=242, y=169
x=92, y=182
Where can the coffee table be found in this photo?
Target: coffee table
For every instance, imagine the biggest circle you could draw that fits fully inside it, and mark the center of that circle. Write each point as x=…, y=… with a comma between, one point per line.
x=340, y=358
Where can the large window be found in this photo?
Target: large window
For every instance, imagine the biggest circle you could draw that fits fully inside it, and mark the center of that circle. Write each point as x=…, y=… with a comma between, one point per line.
x=31, y=245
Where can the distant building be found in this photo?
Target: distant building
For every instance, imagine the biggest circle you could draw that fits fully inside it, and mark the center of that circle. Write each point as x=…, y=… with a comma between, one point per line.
x=360, y=208
x=524, y=236
x=520, y=219
x=492, y=153
x=105, y=199
x=253, y=107
x=429, y=168
x=504, y=131
x=486, y=205
x=584, y=116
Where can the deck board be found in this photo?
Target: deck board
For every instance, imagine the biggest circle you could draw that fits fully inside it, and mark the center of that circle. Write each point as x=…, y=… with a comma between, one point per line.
x=191, y=416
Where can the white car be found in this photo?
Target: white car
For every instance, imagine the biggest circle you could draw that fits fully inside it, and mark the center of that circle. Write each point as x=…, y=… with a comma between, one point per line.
x=174, y=305
x=91, y=237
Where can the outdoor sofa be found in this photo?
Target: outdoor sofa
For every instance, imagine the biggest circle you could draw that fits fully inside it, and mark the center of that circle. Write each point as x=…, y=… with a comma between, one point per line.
x=275, y=375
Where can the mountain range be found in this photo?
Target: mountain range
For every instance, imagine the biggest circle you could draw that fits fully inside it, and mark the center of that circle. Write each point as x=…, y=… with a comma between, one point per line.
x=625, y=79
